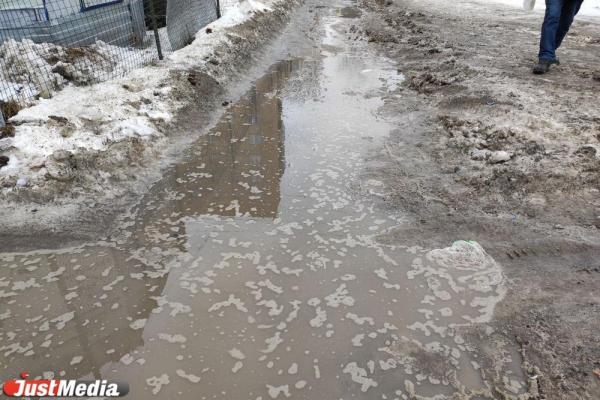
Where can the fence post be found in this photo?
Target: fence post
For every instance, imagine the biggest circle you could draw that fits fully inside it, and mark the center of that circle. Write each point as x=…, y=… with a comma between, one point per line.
x=218, y=9
x=155, y=29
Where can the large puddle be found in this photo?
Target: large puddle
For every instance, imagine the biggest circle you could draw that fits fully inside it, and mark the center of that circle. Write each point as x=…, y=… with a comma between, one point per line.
x=253, y=270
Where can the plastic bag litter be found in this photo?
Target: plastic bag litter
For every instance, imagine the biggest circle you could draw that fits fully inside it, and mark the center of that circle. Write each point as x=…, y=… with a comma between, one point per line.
x=528, y=4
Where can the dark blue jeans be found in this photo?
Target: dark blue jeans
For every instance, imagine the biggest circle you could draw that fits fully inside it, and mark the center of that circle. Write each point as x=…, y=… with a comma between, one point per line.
x=559, y=17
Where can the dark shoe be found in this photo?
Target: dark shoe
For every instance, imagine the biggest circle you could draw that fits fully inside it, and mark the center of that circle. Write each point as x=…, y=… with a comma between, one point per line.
x=542, y=67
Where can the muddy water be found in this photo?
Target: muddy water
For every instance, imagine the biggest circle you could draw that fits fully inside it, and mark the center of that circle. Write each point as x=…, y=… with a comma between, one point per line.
x=253, y=269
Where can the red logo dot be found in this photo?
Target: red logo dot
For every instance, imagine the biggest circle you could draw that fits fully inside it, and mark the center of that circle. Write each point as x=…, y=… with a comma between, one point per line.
x=10, y=387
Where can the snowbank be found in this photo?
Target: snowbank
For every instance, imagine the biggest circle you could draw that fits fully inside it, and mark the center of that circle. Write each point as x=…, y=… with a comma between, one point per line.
x=81, y=120
x=235, y=15
x=29, y=69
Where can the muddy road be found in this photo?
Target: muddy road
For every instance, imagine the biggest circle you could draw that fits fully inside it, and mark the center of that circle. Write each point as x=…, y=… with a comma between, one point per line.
x=288, y=255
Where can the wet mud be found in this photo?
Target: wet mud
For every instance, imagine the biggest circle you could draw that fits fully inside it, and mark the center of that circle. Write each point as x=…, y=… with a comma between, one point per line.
x=261, y=265
x=483, y=149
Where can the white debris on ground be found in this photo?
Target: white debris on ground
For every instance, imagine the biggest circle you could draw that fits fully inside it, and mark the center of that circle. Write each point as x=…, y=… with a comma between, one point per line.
x=464, y=270
x=90, y=119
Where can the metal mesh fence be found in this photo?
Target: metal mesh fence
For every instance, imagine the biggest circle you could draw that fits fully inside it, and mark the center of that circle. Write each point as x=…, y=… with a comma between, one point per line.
x=48, y=44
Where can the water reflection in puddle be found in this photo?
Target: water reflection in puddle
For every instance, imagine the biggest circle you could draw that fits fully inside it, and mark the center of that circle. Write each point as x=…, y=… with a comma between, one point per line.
x=253, y=269
x=238, y=166
x=349, y=12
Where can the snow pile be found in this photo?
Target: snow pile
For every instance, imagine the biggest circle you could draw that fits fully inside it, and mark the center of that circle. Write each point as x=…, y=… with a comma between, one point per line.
x=29, y=70
x=89, y=119
x=70, y=121
x=227, y=4
x=204, y=43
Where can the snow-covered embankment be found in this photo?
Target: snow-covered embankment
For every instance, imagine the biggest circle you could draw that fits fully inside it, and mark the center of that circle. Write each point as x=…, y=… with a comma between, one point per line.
x=83, y=138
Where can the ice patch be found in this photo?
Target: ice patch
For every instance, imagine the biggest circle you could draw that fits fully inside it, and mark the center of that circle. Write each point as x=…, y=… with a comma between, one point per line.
x=275, y=391
x=190, y=377
x=463, y=274
x=237, y=366
x=360, y=320
x=320, y=319
x=237, y=354
x=339, y=297
x=76, y=360
x=157, y=382
x=360, y=376
x=138, y=324
x=231, y=301
x=172, y=338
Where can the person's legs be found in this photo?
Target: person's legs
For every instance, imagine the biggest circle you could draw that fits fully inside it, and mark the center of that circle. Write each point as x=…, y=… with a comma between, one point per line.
x=550, y=29
x=569, y=11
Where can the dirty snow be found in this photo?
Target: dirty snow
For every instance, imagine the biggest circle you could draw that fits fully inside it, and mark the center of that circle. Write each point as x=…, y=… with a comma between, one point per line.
x=29, y=69
x=89, y=119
